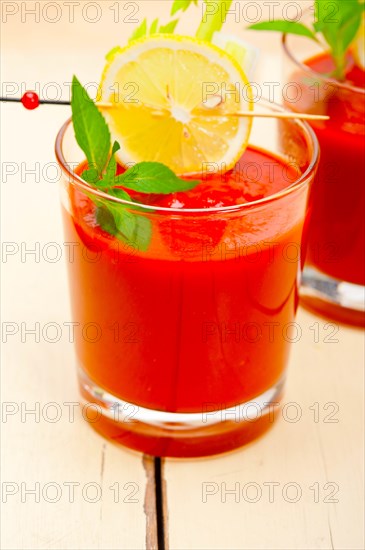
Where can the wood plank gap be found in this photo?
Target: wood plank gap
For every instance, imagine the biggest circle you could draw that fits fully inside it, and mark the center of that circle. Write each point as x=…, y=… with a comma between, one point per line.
x=150, y=501
x=161, y=505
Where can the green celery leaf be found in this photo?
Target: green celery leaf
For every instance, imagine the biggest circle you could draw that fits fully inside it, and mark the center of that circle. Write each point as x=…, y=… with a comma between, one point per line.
x=91, y=131
x=113, y=53
x=169, y=27
x=153, y=177
x=154, y=26
x=182, y=5
x=140, y=31
x=213, y=19
x=290, y=27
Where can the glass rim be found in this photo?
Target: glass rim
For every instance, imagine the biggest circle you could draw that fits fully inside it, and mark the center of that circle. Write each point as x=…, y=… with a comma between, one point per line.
x=74, y=179
x=305, y=68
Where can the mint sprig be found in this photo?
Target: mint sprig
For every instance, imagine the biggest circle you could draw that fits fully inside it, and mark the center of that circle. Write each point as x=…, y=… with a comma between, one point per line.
x=337, y=20
x=93, y=136
x=340, y=34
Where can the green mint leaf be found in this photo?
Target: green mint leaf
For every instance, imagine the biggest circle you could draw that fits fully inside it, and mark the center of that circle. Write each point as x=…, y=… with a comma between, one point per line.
x=123, y=224
x=110, y=172
x=142, y=233
x=91, y=175
x=127, y=226
x=124, y=220
x=349, y=29
x=115, y=218
x=91, y=131
x=289, y=27
x=182, y=5
x=107, y=180
x=139, y=31
x=169, y=27
x=153, y=177
x=120, y=194
x=104, y=218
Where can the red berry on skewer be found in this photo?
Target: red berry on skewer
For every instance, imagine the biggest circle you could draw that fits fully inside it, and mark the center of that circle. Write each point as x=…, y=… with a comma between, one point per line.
x=30, y=100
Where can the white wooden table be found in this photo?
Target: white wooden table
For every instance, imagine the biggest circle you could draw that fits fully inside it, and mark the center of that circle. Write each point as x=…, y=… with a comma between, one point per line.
x=63, y=486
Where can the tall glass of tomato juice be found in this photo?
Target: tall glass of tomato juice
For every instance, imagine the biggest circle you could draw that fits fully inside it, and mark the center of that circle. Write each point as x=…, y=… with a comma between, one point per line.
x=183, y=346
x=334, y=277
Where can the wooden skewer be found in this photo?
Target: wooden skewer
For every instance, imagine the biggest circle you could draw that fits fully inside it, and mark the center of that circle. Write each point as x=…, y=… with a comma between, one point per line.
x=103, y=105
x=202, y=112
x=240, y=114
x=254, y=114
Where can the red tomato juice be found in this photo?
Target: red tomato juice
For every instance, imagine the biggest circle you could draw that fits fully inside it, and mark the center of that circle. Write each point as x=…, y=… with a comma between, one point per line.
x=204, y=318
x=337, y=232
x=180, y=331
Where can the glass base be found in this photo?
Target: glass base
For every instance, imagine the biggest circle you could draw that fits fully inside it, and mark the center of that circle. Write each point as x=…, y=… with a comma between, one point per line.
x=344, y=302
x=169, y=434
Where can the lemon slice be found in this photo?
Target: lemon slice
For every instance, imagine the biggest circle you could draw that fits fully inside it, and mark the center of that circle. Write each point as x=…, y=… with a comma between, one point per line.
x=358, y=46
x=170, y=97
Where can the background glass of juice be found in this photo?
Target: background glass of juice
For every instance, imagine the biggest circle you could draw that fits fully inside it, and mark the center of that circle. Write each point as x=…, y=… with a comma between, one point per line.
x=334, y=277
x=183, y=346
